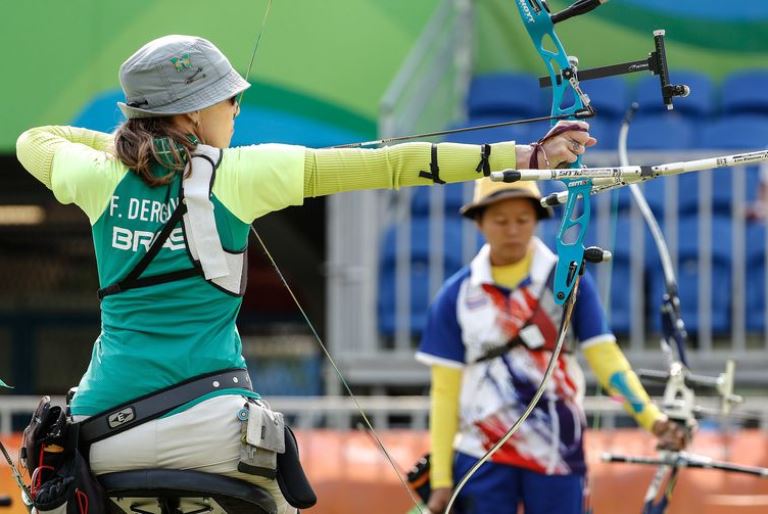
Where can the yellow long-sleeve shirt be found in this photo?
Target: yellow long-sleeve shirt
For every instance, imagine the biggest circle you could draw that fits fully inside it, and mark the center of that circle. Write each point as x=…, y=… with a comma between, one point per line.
x=56, y=150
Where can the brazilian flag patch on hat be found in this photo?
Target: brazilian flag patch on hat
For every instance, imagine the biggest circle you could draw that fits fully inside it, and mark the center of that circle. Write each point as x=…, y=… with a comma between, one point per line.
x=181, y=63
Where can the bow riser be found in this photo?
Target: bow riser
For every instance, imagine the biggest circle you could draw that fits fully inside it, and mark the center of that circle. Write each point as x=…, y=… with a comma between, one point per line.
x=570, y=240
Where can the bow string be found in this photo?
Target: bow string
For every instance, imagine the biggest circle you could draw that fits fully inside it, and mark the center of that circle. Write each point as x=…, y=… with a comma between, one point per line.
x=368, y=425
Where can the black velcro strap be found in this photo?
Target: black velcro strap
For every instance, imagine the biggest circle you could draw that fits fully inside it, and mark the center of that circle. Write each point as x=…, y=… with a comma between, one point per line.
x=151, y=280
x=485, y=163
x=154, y=405
x=434, y=169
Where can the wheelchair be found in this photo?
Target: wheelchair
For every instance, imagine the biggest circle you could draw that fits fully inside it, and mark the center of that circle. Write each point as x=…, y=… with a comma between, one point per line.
x=170, y=491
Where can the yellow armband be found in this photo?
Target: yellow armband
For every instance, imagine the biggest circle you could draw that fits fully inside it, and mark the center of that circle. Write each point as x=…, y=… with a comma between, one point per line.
x=616, y=376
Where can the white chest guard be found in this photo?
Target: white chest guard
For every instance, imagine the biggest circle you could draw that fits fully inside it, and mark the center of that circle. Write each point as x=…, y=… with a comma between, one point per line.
x=226, y=270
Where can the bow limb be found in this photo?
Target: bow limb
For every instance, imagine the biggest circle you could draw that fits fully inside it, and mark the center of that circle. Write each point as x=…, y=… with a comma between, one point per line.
x=673, y=330
x=677, y=393
x=672, y=323
x=308, y=321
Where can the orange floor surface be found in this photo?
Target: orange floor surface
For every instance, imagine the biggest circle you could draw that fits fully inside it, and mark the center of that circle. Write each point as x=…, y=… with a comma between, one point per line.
x=351, y=476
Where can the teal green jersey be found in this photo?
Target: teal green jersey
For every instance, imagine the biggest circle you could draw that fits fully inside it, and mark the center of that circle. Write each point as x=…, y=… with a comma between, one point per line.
x=153, y=337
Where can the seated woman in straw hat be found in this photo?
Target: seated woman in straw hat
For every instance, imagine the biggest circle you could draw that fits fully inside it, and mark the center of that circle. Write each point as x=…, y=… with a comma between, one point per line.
x=170, y=206
x=489, y=336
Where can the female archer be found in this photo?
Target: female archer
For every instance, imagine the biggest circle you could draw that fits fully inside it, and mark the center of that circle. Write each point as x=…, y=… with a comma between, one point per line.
x=170, y=204
x=490, y=333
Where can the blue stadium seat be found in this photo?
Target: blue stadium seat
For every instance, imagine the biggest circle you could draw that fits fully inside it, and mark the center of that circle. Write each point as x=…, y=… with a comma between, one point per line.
x=453, y=198
x=720, y=199
x=521, y=133
x=735, y=132
x=668, y=131
x=688, y=193
x=419, y=277
x=689, y=279
x=620, y=311
x=609, y=96
x=755, y=277
x=743, y=92
x=731, y=133
x=299, y=375
x=698, y=104
x=505, y=94
x=653, y=191
x=606, y=130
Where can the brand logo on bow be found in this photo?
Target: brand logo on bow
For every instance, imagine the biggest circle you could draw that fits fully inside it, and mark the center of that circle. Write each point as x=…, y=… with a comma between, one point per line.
x=526, y=11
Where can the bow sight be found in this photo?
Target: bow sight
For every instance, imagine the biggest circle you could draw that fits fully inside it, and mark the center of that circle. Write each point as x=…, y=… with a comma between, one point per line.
x=656, y=63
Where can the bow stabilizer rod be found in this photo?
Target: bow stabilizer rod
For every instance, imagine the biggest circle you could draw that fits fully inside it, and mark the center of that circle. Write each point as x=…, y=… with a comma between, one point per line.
x=619, y=176
x=687, y=460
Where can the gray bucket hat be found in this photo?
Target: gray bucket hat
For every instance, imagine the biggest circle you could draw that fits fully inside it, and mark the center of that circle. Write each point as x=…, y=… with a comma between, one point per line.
x=175, y=75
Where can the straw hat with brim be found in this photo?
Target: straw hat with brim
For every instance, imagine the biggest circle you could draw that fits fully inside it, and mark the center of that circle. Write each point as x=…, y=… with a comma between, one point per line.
x=488, y=192
x=175, y=75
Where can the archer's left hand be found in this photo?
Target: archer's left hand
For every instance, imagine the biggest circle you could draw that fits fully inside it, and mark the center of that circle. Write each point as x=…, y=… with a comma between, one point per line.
x=560, y=146
x=563, y=146
x=670, y=434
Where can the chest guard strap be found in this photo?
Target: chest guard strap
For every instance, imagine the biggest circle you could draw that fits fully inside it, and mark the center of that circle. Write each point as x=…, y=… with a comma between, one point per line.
x=221, y=268
x=529, y=334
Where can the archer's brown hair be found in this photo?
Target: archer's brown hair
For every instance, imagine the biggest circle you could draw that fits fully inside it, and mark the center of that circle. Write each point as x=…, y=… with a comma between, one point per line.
x=135, y=146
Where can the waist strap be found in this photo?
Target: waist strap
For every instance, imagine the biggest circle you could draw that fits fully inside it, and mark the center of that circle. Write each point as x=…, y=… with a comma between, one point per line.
x=154, y=405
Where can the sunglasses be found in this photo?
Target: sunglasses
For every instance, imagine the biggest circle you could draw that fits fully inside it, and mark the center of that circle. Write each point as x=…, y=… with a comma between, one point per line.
x=235, y=104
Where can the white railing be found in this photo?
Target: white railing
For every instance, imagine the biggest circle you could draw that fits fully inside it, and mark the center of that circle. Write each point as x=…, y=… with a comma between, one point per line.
x=410, y=412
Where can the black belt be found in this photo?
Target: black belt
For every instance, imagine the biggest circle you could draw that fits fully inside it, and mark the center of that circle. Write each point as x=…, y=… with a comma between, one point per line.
x=154, y=405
